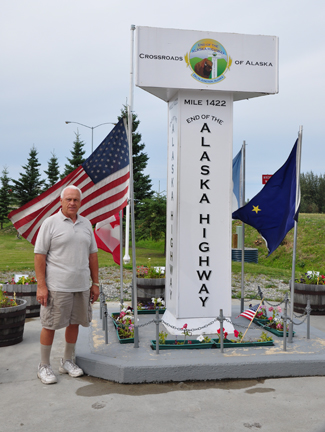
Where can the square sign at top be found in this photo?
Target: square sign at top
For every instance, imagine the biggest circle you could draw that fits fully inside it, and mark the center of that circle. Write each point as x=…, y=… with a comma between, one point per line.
x=168, y=60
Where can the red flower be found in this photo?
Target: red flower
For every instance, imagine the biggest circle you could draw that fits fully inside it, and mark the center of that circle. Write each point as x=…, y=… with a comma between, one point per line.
x=189, y=342
x=236, y=333
x=185, y=326
x=218, y=331
x=225, y=334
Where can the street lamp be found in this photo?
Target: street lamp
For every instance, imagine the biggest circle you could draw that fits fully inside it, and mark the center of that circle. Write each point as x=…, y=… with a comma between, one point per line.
x=92, y=130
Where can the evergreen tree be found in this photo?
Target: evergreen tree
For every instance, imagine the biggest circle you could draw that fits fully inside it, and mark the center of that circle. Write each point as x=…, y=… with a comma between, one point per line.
x=151, y=221
x=53, y=173
x=77, y=154
x=29, y=184
x=5, y=196
x=141, y=182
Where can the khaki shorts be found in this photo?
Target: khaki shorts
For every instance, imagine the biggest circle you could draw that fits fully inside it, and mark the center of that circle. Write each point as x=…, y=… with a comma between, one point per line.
x=65, y=308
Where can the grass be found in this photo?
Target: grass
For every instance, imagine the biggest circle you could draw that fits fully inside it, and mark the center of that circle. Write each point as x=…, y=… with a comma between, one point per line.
x=18, y=254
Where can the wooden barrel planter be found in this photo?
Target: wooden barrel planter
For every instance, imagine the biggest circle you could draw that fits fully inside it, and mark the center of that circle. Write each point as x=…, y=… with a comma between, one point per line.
x=316, y=294
x=12, y=322
x=28, y=293
x=148, y=288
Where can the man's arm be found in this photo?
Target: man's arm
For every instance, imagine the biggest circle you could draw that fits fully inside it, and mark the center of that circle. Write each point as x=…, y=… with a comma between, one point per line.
x=93, y=265
x=40, y=267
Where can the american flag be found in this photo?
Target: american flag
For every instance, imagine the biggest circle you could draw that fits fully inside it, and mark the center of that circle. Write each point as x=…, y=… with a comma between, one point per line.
x=103, y=179
x=250, y=312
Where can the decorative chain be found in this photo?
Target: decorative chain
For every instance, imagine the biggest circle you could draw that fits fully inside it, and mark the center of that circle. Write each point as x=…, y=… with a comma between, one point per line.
x=190, y=330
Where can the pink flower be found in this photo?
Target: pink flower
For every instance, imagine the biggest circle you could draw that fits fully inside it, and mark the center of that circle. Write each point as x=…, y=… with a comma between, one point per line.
x=122, y=314
x=270, y=318
x=185, y=326
x=270, y=309
x=279, y=309
x=236, y=333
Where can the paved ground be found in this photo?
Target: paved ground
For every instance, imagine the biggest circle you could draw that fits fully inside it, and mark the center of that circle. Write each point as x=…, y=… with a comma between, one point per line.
x=86, y=403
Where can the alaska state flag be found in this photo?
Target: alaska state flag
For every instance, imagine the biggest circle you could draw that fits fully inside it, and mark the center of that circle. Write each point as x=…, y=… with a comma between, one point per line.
x=273, y=210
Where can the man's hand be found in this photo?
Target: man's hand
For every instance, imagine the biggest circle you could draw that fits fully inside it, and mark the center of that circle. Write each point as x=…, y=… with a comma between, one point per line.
x=42, y=294
x=94, y=293
x=42, y=291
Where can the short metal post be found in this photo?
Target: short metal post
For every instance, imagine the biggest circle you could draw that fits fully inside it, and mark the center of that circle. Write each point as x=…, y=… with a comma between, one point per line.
x=100, y=301
x=260, y=293
x=105, y=317
x=308, y=310
x=220, y=319
x=285, y=323
x=106, y=325
x=157, y=331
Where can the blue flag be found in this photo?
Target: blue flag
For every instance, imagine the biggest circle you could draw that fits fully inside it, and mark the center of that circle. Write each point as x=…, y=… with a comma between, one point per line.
x=273, y=210
x=236, y=181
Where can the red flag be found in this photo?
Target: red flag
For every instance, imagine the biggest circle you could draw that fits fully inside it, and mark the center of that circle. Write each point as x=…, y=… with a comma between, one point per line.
x=107, y=235
x=103, y=179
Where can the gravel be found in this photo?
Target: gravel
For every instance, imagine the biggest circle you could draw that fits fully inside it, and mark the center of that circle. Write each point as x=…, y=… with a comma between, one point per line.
x=109, y=277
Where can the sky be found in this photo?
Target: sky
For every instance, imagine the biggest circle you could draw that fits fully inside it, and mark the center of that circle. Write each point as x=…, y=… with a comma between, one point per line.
x=69, y=60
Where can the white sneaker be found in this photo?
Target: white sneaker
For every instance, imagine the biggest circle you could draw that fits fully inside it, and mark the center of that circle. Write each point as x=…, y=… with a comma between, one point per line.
x=46, y=374
x=71, y=368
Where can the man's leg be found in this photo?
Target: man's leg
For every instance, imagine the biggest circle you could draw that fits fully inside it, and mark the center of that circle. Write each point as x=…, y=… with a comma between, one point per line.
x=71, y=336
x=46, y=340
x=67, y=364
x=45, y=372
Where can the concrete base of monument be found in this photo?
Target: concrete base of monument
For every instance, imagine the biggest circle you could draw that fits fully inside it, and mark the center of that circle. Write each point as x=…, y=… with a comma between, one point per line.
x=123, y=363
x=173, y=324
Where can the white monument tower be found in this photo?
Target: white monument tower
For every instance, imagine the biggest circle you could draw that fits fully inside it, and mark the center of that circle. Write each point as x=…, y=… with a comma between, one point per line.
x=200, y=75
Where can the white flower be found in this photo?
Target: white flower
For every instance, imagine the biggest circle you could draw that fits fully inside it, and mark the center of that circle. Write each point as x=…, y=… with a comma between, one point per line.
x=153, y=300
x=163, y=302
x=200, y=338
x=159, y=300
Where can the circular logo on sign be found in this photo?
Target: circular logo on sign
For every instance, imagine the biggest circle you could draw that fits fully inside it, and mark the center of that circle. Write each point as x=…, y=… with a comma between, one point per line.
x=208, y=60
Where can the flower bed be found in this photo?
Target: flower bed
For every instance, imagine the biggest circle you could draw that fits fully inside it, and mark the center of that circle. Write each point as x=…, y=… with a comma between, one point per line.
x=234, y=344
x=274, y=324
x=187, y=344
x=124, y=325
x=151, y=307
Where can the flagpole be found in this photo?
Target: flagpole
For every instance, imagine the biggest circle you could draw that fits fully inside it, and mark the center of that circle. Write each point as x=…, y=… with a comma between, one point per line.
x=126, y=258
x=121, y=258
x=293, y=270
x=134, y=265
x=242, y=295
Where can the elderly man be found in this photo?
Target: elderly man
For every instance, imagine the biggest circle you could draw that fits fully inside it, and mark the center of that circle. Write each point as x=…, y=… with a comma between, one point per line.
x=65, y=259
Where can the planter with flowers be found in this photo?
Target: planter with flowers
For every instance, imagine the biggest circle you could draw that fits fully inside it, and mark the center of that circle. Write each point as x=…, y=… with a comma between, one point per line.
x=25, y=288
x=261, y=315
x=263, y=340
x=275, y=322
x=150, y=282
x=201, y=342
x=310, y=285
x=124, y=324
x=12, y=319
x=152, y=306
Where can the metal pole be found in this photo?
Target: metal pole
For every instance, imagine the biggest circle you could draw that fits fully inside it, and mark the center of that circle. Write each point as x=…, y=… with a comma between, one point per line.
x=131, y=189
x=121, y=259
x=126, y=258
x=308, y=310
x=220, y=318
x=92, y=140
x=157, y=331
x=100, y=301
x=285, y=323
x=242, y=295
x=292, y=286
